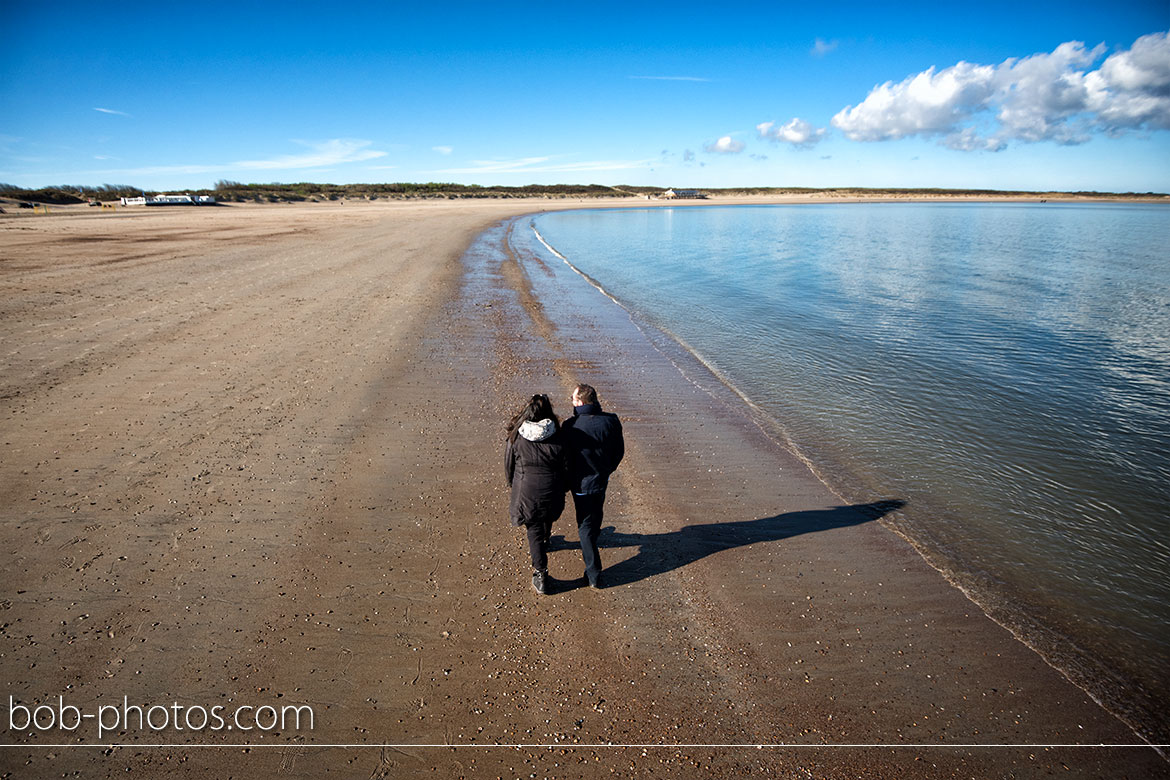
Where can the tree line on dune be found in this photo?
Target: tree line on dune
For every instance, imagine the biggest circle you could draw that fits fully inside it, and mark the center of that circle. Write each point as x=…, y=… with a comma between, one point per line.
x=232, y=191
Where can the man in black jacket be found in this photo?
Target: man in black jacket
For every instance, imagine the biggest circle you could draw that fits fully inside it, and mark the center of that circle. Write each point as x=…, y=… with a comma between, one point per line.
x=596, y=448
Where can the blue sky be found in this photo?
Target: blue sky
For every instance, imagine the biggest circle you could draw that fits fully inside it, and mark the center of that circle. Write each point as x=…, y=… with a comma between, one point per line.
x=1019, y=95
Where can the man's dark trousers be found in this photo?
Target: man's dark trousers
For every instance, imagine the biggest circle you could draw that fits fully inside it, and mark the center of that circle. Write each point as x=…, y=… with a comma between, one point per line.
x=589, y=514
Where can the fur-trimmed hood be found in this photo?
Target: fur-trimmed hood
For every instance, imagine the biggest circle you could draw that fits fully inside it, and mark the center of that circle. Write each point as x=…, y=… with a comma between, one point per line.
x=537, y=431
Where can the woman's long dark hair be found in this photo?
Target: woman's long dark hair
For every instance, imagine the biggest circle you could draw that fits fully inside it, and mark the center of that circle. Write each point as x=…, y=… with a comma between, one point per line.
x=536, y=409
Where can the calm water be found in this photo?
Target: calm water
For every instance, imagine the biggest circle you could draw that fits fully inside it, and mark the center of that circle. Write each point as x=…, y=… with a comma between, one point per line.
x=1004, y=368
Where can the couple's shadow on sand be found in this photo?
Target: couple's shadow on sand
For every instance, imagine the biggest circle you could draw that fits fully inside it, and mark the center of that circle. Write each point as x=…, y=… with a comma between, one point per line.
x=660, y=553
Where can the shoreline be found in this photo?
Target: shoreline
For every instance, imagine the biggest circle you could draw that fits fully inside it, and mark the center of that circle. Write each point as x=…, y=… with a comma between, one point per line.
x=739, y=398
x=1110, y=685
x=560, y=202
x=257, y=452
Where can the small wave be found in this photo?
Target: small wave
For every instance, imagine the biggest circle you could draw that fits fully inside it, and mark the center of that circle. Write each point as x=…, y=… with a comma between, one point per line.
x=549, y=247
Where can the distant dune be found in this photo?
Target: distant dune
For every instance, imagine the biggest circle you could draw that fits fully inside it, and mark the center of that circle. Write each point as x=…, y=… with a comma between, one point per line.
x=235, y=192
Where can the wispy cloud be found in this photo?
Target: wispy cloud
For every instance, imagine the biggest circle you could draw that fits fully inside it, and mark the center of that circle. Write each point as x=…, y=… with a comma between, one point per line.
x=111, y=111
x=320, y=154
x=545, y=165
x=725, y=145
x=500, y=166
x=670, y=78
x=1043, y=97
x=822, y=47
x=443, y=150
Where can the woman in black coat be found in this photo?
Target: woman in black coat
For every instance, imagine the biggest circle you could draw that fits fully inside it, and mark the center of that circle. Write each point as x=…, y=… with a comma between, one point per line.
x=537, y=466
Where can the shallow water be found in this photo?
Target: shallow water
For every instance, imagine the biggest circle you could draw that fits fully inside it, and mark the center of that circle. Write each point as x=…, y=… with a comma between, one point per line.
x=1003, y=368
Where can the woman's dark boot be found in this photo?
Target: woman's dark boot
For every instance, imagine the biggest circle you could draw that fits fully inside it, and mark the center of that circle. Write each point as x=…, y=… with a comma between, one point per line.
x=540, y=580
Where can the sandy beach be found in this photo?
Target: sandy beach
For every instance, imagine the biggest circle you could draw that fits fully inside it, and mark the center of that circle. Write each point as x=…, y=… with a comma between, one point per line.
x=252, y=457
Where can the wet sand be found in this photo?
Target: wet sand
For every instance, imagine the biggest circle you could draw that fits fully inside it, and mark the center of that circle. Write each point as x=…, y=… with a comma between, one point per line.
x=252, y=456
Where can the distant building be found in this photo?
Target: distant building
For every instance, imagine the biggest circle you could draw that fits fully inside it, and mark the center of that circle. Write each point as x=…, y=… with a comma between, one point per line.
x=170, y=200
x=672, y=194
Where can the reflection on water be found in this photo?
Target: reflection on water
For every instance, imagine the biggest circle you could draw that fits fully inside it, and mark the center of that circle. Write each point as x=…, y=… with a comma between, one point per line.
x=1006, y=367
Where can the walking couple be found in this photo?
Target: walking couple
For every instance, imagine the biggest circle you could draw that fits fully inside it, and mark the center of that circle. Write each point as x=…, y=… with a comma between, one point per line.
x=545, y=458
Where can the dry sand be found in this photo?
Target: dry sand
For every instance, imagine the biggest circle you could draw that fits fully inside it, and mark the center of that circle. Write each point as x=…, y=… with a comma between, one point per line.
x=252, y=457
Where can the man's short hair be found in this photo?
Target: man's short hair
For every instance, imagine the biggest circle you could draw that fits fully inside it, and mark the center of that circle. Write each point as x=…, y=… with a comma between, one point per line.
x=586, y=394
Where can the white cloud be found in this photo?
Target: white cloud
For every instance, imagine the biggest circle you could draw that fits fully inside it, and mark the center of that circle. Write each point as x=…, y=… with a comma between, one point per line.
x=969, y=140
x=111, y=111
x=1043, y=97
x=926, y=104
x=822, y=47
x=1132, y=88
x=796, y=131
x=725, y=145
x=444, y=150
x=1039, y=95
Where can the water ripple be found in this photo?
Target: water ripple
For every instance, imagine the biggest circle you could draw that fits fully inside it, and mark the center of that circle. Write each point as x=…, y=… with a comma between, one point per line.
x=1006, y=367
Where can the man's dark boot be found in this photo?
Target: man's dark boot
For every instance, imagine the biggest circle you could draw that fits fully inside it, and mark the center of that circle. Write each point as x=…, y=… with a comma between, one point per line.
x=540, y=580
